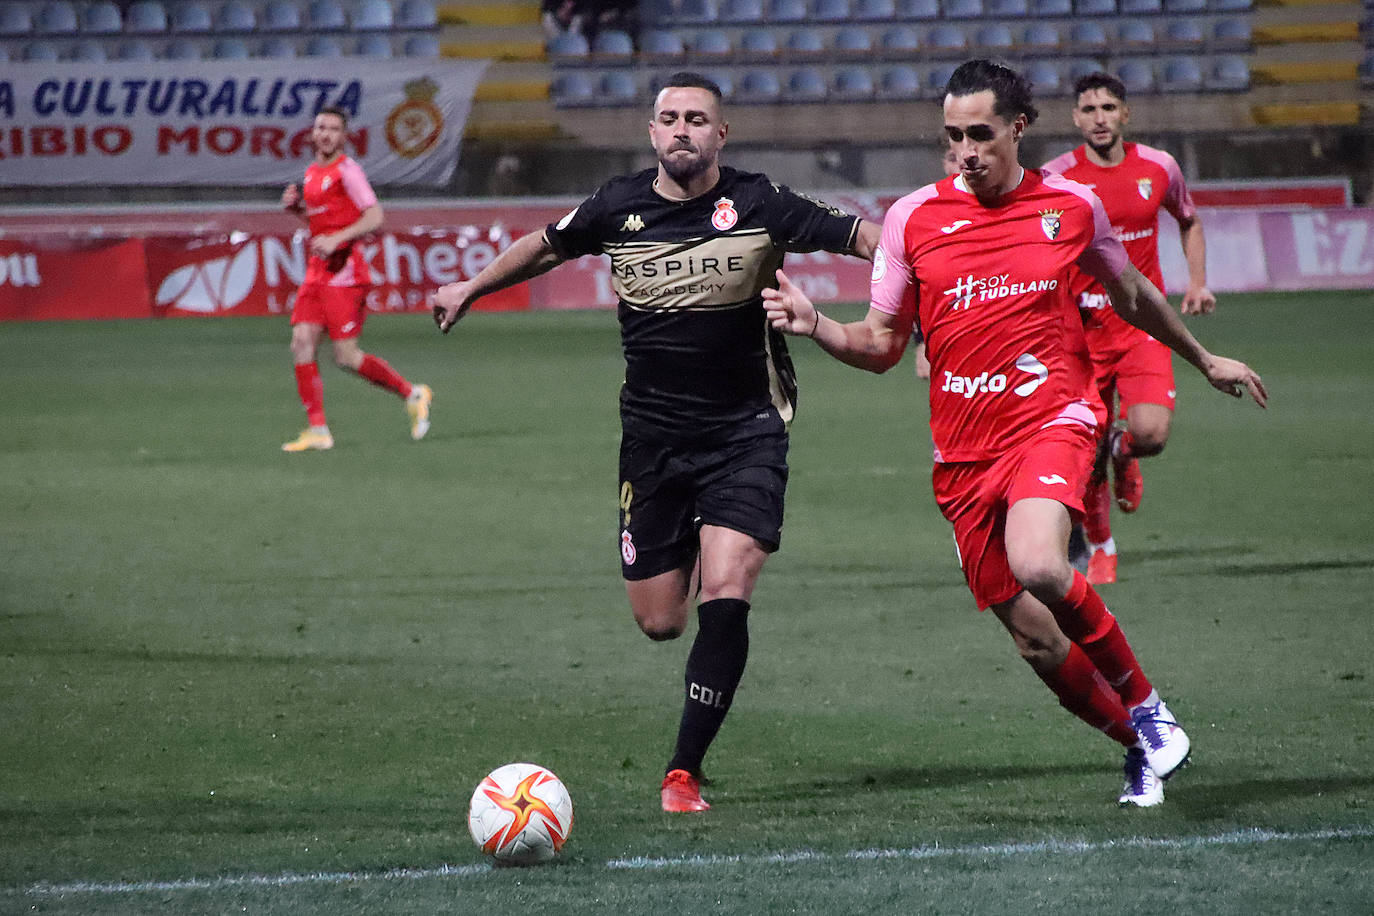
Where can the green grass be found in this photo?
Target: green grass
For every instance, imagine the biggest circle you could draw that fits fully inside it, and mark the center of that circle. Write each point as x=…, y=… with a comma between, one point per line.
x=218, y=660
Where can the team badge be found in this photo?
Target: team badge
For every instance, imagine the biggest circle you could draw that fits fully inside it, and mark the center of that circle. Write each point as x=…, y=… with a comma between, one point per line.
x=1144, y=186
x=627, y=549
x=725, y=216
x=324, y=183
x=633, y=223
x=1049, y=223
x=415, y=126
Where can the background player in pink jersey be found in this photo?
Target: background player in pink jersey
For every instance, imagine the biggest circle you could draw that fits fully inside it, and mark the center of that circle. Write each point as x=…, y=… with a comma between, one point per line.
x=339, y=207
x=1133, y=372
x=981, y=258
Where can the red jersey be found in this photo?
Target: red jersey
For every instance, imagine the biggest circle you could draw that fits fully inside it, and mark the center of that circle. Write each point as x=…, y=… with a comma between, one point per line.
x=1132, y=191
x=989, y=287
x=336, y=194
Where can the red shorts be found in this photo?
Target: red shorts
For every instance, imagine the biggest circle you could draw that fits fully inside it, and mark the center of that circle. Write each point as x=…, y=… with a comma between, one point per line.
x=1142, y=374
x=341, y=309
x=975, y=495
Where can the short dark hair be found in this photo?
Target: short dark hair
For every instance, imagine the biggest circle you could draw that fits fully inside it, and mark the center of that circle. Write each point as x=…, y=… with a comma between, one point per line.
x=1011, y=91
x=335, y=111
x=1099, y=79
x=689, y=79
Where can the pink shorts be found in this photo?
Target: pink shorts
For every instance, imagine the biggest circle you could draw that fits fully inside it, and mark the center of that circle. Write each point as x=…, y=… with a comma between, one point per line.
x=1143, y=374
x=341, y=309
x=975, y=495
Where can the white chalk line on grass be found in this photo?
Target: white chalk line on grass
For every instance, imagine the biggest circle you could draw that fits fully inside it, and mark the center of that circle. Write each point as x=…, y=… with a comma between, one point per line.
x=1254, y=837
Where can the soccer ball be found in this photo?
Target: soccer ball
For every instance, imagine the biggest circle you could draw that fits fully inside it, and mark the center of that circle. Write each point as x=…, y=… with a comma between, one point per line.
x=520, y=814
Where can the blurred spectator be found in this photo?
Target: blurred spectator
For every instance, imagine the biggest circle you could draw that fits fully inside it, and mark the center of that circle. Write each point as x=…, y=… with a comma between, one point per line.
x=587, y=17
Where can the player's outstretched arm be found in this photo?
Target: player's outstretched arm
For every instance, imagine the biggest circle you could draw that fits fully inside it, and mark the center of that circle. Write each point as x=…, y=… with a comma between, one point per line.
x=1141, y=303
x=875, y=344
x=1197, y=299
x=528, y=257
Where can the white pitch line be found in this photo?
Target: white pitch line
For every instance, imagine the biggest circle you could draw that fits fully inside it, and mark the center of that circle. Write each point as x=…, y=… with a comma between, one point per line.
x=1252, y=837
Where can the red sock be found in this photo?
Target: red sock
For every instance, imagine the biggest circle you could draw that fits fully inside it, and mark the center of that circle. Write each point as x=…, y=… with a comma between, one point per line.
x=1124, y=447
x=1097, y=511
x=1084, y=618
x=378, y=372
x=311, y=389
x=1084, y=692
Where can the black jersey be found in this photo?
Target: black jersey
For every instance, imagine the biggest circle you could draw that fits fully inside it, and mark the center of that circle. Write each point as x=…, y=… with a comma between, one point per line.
x=700, y=355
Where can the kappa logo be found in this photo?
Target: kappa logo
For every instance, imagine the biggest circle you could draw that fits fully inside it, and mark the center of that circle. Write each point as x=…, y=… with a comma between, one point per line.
x=1052, y=479
x=956, y=226
x=211, y=286
x=725, y=216
x=1049, y=223
x=1144, y=186
x=633, y=223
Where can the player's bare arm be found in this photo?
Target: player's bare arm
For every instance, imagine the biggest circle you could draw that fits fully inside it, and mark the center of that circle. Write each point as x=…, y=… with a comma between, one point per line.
x=867, y=238
x=528, y=257
x=1140, y=302
x=1197, y=299
x=370, y=220
x=876, y=343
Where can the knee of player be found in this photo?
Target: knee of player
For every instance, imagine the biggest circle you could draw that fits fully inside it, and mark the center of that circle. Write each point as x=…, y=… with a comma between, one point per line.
x=1044, y=574
x=660, y=632
x=1149, y=441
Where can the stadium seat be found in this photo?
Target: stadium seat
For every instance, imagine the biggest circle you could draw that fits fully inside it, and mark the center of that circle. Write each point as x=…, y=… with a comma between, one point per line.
x=1231, y=35
x=710, y=44
x=230, y=47
x=759, y=44
x=994, y=37
x=15, y=19
x=1185, y=6
x=1077, y=68
x=1040, y=38
x=613, y=45
x=236, y=16
x=373, y=16
x=323, y=46
x=88, y=50
x=1094, y=7
x=1138, y=76
x=1241, y=6
x=661, y=44
x=280, y=16
x=101, y=18
x=568, y=47
x=962, y=9
x=900, y=41
x=1087, y=37
x=278, y=49
x=1136, y=35
x=375, y=46
x=806, y=85
x=1051, y=9
x=1007, y=9
x=805, y=41
x=741, y=12
x=786, y=11
x=1180, y=74
x=874, y=10
x=1366, y=70
x=759, y=86
x=325, y=15
x=852, y=41
x=725, y=80
x=39, y=52
x=135, y=49
x=830, y=11
x=853, y=84
x=417, y=14
x=918, y=9
x=900, y=82
x=937, y=78
x=1230, y=73
x=619, y=87
x=681, y=12
x=422, y=46
x=1141, y=7
x=572, y=88
x=146, y=17
x=946, y=39
x=1183, y=34
x=192, y=18
x=56, y=18
x=1044, y=77
x=183, y=49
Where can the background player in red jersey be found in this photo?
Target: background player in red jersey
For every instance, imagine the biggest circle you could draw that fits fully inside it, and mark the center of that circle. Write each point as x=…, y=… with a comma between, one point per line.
x=339, y=207
x=982, y=258
x=1134, y=372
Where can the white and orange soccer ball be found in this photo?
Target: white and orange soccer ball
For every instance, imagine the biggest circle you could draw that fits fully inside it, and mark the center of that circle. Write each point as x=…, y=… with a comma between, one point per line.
x=520, y=814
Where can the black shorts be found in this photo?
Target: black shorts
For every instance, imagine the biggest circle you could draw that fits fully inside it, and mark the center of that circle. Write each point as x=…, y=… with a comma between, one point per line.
x=667, y=492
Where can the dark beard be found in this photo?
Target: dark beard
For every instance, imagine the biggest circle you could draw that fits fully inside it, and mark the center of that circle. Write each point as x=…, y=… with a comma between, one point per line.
x=1103, y=151
x=683, y=173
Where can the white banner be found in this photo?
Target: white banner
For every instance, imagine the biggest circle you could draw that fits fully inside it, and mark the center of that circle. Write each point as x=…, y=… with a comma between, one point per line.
x=220, y=122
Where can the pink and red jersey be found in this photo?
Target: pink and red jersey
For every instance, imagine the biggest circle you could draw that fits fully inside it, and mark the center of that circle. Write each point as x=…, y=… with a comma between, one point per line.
x=336, y=194
x=989, y=286
x=1133, y=192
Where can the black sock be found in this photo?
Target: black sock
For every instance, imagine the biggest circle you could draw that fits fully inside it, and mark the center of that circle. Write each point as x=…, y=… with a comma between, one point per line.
x=714, y=668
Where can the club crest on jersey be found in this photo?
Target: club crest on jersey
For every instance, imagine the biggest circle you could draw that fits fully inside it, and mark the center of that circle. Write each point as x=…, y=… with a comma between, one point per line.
x=1049, y=223
x=324, y=183
x=633, y=223
x=1144, y=186
x=725, y=216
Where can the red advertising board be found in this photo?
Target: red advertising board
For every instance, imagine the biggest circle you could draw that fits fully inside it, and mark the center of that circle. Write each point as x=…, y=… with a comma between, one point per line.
x=54, y=279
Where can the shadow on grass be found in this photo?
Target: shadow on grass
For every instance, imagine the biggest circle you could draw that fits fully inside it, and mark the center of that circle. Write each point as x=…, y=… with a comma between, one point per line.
x=1224, y=800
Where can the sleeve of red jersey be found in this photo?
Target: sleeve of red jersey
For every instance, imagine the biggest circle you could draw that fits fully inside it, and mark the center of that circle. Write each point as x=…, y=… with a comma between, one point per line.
x=892, y=287
x=1177, y=200
x=356, y=185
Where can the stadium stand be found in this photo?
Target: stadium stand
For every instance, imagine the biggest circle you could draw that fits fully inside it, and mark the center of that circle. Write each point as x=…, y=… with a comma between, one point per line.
x=994, y=37
x=760, y=87
x=874, y=10
x=806, y=85
x=230, y=47
x=146, y=17
x=900, y=42
x=88, y=50
x=1229, y=74
x=422, y=46
x=1137, y=75
x=278, y=48
x=39, y=51
x=1051, y=9
x=805, y=41
x=619, y=87
x=662, y=45
x=1044, y=77
x=1136, y=36
x=15, y=20
x=192, y=18
x=1095, y=7
x=1087, y=37
x=852, y=42
x=853, y=84
x=612, y=46
x=1007, y=9
x=787, y=11
x=741, y=12
x=323, y=46
x=1181, y=74
x=280, y=16
x=326, y=15
x=57, y=17
x=759, y=44
x=417, y=14
x=918, y=9
x=830, y=11
x=236, y=16
x=900, y=82
x=375, y=46
x=572, y=88
x=135, y=49
x=1041, y=38
x=101, y=19
x=373, y=15
x=962, y=9
x=183, y=49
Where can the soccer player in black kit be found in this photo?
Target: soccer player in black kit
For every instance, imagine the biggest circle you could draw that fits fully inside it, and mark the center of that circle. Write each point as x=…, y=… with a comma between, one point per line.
x=709, y=388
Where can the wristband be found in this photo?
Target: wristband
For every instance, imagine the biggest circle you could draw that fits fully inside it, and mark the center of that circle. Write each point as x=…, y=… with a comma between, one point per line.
x=816, y=326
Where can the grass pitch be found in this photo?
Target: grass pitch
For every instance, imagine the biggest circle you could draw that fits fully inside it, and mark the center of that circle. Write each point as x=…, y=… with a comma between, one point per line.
x=235, y=680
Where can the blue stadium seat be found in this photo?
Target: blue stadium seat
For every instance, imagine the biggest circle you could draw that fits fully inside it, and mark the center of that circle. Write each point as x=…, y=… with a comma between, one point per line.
x=375, y=46
x=15, y=19
x=1044, y=77
x=1136, y=35
x=854, y=84
x=192, y=18
x=759, y=43
x=236, y=16
x=572, y=88
x=230, y=47
x=830, y=11
x=918, y=9
x=323, y=46
x=1051, y=9
x=4, y=54
x=1366, y=70
x=183, y=49
x=1185, y=7
x=146, y=17
x=741, y=12
x=1138, y=76
x=613, y=44
x=1230, y=73
x=1239, y=6
x=57, y=17
x=662, y=44
x=568, y=47
x=280, y=16
x=101, y=18
x=900, y=41
x=946, y=39
x=710, y=44
x=852, y=41
x=39, y=52
x=806, y=41
x=874, y=10
x=135, y=49
x=417, y=14
x=1184, y=34
x=373, y=16
x=88, y=50
x=995, y=38
x=962, y=9
x=900, y=82
x=1181, y=74
x=1087, y=36
x=1094, y=7
x=326, y=15
x=1141, y=7
x=280, y=48
x=937, y=78
x=1231, y=35
x=1007, y=9
x=619, y=87
x=759, y=86
x=725, y=80
x=806, y=85
x=1077, y=68
x=786, y=11
x=1041, y=38
x=681, y=12
x=422, y=46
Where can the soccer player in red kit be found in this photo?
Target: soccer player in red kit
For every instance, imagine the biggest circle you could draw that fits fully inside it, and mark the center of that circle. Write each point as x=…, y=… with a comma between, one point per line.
x=1134, y=372
x=981, y=260
x=339, y=207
